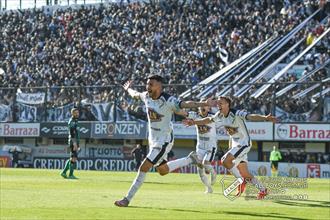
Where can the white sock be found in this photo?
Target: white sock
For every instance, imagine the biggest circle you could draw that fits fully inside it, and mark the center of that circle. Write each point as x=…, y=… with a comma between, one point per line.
x=257, y=184
x=204, y=178
x=136, y=185
x=235, y=172
x=213, y=174
x=175, y=164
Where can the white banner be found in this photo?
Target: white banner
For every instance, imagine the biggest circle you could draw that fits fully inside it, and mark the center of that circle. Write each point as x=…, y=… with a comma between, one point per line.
x=302, y=132
x=5, y=113
x=257, y=131
x=26, y=113
x=288, y=117
x=60, y=113
x=30, y=98
x=19, y=129
x=103, y=111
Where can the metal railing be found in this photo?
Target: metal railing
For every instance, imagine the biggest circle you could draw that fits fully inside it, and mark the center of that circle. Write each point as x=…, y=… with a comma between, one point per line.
x=112, y=103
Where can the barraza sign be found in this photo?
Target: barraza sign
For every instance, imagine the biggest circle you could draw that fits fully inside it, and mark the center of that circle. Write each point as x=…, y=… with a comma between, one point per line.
x=302, y=132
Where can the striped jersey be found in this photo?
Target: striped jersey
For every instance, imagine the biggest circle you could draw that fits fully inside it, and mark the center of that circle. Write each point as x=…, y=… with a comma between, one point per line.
x=235, y=122
x=206, y=134
x=159, y=113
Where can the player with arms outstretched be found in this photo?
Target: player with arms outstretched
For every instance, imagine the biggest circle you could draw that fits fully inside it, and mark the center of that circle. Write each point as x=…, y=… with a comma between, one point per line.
x=234, y=122
x=160, y=107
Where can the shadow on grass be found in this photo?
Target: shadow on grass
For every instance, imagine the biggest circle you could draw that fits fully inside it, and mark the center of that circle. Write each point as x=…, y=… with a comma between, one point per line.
x=152, y=182
x=253, y=214
x=305, y=203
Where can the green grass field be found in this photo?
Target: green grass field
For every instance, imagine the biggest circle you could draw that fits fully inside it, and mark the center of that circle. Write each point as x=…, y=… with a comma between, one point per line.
x=43, y=194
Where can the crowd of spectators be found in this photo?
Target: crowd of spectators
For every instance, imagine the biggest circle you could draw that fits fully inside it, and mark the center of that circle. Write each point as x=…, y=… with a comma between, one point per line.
x=301, y=156
x=102, y=45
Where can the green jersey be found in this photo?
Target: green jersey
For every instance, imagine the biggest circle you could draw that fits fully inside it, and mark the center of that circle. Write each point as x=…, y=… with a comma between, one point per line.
x=275, y=155
x=73, y=131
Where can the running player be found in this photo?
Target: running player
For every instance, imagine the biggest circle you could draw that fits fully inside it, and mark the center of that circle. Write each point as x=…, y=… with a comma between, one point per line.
x=206, y=146
x=73, y=143
x=234, y=122
x=160, y=107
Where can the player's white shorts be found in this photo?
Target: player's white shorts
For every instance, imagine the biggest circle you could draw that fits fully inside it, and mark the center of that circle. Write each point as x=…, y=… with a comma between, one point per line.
x=158, y=152
x=239, y=152
x=206, y=155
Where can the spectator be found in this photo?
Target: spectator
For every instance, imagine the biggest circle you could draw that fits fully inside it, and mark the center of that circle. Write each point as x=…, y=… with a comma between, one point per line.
x=15, y=156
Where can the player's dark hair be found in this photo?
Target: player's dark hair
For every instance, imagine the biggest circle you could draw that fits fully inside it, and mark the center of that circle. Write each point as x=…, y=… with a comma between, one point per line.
x=227, y=98
x=158, y=78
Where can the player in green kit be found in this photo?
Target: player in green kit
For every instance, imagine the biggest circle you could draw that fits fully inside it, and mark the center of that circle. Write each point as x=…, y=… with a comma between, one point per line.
x=74, y=144
x=275, y=156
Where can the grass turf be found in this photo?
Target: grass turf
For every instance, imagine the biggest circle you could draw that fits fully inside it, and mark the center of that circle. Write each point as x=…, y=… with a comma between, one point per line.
x=44, y=194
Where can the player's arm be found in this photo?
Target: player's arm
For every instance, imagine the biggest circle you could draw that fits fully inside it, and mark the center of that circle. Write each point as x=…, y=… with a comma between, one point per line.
x=73, y=133
x=195, y=104
x=181, y=113
x=133, y=93
x=257, y=117
x=204, y=121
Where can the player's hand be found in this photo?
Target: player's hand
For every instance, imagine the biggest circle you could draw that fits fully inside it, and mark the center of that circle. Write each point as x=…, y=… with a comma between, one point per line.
x=188, y=122
x=211, y=102
x=127, y=84
x=271, y=118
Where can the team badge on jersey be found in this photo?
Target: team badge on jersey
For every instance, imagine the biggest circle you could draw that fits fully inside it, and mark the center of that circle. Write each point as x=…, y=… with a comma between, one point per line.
x=154, y=116
x=231, y=130
x=203, y=129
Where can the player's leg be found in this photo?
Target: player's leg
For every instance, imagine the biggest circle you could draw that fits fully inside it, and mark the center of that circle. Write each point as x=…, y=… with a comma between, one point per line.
x=66, y=168
x=249, y=178
x=73, y=166
x=155, y=156
x=274, y=168
x=233, y=157
x=67, y=164
x=208, y=158
x=73, y=163
x=138, y=181
x=205, y=180
x=167, y=167
x=227, y=162
x=202, y=155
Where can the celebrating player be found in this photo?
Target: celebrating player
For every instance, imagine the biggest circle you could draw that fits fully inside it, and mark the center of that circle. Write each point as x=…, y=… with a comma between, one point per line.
x=160, y=108
x=74, y=144
x=206, y=147
x=234, y=123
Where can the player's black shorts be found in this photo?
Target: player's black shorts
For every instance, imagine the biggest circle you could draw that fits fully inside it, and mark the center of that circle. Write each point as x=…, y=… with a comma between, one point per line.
x=73, y=153
x=274, y=164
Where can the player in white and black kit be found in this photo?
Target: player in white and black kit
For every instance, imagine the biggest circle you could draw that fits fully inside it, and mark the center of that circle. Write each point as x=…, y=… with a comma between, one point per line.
x=160, y=108
x=206, y=146
x=234, y=122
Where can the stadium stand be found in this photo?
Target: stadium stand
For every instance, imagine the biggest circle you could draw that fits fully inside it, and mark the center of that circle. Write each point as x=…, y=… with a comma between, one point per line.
x=185, y=41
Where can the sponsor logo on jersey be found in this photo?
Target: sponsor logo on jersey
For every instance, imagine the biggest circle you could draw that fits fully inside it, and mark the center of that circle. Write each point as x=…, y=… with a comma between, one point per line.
x=154, y=116
x=203, y=129
x=231, y=130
